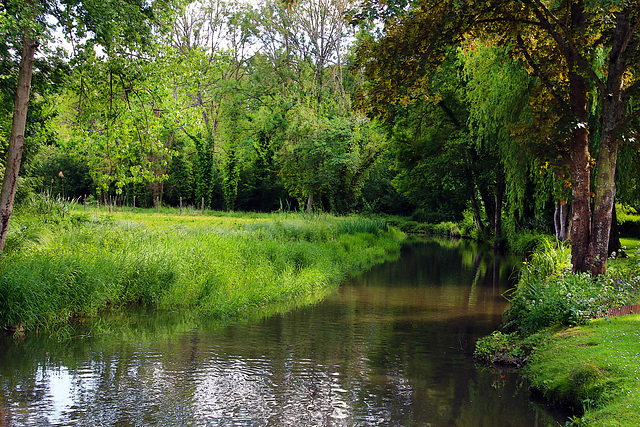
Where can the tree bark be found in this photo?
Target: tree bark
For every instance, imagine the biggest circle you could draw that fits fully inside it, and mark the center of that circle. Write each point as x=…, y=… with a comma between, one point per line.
x=16, y=141
x=476, y=213
x=612, y=111
x=556, y=220
x=310, y=203
x=614, y=236
x=563, y=209
x=580, y=206
x=560, y=220
x=602, y=215
x=579, y=152
x=489, y=202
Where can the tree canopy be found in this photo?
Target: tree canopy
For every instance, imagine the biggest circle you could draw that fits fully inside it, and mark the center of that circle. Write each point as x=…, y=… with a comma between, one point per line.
x=498, y=113
x=583, y=55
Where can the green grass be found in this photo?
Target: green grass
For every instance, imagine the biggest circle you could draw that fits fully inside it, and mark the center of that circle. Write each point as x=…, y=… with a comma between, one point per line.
x=630, y=245
x=595, y=368
x=218, y=265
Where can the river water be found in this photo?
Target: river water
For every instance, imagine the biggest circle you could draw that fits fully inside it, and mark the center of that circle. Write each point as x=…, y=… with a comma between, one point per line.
x=392, y=347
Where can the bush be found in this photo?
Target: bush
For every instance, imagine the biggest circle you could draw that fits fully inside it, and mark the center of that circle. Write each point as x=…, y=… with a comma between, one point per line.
x=628, y=220
x=548, y=293
x=526, y=241
x=500, y=348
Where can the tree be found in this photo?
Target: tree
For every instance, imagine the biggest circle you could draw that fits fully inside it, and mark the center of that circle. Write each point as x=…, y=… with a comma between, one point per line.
x=103, y=22
x=572, y=48
x=26, y=18
x=121, y=118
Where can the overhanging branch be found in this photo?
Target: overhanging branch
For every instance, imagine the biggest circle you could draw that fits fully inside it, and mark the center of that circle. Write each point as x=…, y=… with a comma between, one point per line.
x=538, y=72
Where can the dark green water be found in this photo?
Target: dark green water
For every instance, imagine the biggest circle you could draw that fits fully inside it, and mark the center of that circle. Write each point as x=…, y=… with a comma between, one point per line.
x=392, y=347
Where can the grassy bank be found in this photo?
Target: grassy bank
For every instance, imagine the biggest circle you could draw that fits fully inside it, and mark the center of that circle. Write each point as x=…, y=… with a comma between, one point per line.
x=61, y=266
x=571, y=354
x=593, y=368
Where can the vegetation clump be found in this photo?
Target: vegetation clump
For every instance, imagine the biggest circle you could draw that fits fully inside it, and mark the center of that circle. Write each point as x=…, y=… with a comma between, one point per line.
x=548, y=293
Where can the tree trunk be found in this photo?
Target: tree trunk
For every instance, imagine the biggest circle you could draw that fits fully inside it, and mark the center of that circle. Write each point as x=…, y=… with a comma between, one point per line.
x=605, y=195
x=581, y=175
x=556, y=220
x=310, y=203
x=489, y=202
x=16, y=141
x=563, y=209
x=612, y=111
x=614, y=236
x=497, y=224
x=476, y=213
x=560, y=220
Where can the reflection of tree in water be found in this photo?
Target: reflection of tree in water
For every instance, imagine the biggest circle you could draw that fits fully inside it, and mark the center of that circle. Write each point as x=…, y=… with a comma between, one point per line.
x=483, y=410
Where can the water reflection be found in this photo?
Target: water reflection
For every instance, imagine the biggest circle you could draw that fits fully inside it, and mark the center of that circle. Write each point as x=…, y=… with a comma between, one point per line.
x=390, y=348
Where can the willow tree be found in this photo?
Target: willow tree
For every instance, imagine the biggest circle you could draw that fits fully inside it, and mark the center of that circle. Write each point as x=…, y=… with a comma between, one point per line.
x=573, y=48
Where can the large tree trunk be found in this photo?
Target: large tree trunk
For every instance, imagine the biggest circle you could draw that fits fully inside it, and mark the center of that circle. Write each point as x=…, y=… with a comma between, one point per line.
x=581, y=174
x=605, y=196
x=579, y=150
x=612, y=111
x=16, y=141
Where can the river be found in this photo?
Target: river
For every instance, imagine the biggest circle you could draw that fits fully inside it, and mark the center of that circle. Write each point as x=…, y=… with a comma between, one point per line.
x=391, y=347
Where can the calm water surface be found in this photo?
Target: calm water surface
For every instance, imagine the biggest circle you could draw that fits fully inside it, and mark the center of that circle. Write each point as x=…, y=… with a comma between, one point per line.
x=392, y=347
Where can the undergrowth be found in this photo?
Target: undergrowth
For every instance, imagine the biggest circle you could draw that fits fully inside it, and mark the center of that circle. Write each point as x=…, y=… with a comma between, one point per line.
x=548, y=293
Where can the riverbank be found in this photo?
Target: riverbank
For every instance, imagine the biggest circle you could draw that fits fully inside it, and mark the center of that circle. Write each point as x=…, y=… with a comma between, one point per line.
x=67, y=265
x=590, y=365
x=594, y=369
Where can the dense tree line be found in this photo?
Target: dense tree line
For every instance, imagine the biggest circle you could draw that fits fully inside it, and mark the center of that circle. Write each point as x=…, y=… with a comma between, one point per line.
x=509, y=114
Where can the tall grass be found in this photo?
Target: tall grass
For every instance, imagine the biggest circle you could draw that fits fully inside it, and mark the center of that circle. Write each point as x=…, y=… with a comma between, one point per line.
x=218, y=266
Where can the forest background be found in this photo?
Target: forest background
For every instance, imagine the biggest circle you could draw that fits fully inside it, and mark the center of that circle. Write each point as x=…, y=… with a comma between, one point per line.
x=329, y=105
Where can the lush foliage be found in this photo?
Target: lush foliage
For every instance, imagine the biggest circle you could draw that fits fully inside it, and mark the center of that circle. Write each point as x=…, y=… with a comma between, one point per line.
x=506, y=349
x=628, y=220
x=249, y=107
x=217, y=266
x=548, y=293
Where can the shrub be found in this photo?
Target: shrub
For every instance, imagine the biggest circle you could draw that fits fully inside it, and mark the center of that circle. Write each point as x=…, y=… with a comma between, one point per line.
x=526, y=241
x=548, y=293
x=628, y=220
x=500, y=348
